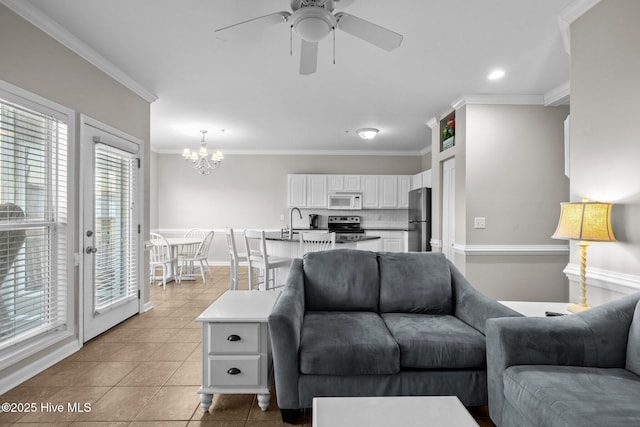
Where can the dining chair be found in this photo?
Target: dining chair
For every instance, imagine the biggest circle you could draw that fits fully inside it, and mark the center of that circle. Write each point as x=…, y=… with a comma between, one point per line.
x=160, y=256
x=259, y=259
x=237, y=259
x=314, y=242
x=196, y=255
x=190, y=249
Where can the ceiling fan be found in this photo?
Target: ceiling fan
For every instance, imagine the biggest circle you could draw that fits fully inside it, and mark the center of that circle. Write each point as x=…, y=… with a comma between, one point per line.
x=313, y=20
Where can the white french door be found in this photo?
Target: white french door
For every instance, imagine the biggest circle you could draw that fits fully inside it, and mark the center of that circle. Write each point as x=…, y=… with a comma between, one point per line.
x=110, y=227
x=448, y=206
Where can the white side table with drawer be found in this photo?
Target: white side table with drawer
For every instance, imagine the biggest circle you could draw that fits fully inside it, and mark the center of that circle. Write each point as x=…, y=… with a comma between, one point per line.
x=236, y=349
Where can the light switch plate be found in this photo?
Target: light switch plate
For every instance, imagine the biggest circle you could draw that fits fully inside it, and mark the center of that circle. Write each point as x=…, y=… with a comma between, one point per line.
x=479, y=222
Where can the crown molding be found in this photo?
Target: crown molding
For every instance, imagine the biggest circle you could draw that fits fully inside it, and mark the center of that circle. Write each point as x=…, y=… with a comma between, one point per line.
x=568, y=17
x=559, y=95
x=35, y=16
x=307, y=152
x=426, y=150
x=498, y=100
x=432, y=122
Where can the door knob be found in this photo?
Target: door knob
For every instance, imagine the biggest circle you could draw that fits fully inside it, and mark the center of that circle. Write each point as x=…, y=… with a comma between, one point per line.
x=91, y=250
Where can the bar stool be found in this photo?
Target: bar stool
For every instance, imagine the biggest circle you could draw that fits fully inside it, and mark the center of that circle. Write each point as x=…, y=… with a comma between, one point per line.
x=314, y=242
x=259, y=258
x=237, y=259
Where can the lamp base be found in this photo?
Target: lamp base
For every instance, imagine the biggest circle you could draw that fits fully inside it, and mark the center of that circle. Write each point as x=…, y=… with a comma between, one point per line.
x=577, y=308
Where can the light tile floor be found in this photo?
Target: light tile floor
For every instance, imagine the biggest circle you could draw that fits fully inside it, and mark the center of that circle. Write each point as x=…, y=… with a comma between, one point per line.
x=146, y=372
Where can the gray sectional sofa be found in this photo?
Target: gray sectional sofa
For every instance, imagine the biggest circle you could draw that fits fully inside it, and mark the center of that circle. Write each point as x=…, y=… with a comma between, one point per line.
x=359, y=323
x=579, y=370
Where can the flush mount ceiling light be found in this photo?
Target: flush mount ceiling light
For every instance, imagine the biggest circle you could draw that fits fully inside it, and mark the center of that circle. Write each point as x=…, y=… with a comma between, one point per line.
x=496, y=75
x=367, y=133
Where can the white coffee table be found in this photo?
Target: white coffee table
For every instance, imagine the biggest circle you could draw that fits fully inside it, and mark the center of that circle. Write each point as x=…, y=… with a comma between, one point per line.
x=405, y=411
x=536, y=309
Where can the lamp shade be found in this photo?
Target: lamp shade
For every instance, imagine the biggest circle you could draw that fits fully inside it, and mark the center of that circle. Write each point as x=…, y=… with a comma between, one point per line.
x=585, y=221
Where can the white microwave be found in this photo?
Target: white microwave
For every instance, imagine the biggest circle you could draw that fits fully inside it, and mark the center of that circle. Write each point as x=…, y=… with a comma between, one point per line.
x=345, y=201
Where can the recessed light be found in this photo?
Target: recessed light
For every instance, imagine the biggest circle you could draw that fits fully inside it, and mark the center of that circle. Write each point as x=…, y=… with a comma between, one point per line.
x=496, y=75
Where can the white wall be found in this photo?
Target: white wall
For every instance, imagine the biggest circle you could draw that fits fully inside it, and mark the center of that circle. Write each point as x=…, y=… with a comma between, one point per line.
x=605, y=140
x=510, y=171
x=32, y=60
x=250, y=191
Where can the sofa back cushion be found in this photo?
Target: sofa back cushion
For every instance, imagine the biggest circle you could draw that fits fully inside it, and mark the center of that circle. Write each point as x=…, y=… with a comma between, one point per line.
x=415, y=282
x=341, y=280
x=633, y=343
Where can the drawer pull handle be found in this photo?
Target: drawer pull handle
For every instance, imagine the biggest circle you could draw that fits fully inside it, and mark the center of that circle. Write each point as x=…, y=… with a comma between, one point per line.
x=233, y=338
x=233, y=371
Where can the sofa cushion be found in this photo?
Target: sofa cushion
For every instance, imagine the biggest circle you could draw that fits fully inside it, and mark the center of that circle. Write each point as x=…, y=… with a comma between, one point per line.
x=341, y=280
x=633, y=343
x=415, y=282
x=432, y=341
x=347, y=343
x=553, y=395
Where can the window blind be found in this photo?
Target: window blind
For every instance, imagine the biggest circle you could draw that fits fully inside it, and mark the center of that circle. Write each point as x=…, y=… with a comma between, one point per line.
x=33, y=223
x=115, y=262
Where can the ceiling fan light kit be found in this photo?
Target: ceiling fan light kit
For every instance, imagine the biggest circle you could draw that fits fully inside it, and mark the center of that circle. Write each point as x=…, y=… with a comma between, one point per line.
x=314, y=20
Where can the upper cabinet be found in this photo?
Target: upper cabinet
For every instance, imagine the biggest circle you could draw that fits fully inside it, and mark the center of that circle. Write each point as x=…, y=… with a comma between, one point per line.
x=421, y=180
x=378, y=191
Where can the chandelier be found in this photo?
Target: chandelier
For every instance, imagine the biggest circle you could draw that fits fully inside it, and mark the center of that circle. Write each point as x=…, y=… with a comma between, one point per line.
x=200, y=160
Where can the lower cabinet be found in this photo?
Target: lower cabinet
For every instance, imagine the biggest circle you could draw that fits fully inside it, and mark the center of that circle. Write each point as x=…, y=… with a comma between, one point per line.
x=390, y=240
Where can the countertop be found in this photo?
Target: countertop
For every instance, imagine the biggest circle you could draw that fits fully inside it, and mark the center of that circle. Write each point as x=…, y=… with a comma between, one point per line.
x=349, y=239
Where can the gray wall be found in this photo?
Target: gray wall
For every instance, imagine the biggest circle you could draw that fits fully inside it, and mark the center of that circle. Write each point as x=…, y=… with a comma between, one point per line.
x=35, y=62
x=509, y=170
x=605, y=139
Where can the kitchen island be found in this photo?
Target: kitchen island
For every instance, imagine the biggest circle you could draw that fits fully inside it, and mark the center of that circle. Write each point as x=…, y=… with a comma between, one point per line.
x=290, y=248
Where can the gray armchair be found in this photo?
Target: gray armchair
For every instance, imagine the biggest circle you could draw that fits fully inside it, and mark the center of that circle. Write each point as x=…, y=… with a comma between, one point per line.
x=577, y=370
x=359, y=323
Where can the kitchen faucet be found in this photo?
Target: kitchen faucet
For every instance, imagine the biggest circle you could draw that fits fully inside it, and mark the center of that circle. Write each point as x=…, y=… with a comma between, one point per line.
x=291, y=221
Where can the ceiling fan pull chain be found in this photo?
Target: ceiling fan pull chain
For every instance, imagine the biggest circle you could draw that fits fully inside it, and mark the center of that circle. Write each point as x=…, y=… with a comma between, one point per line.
x=291, y=40
x=334, y=45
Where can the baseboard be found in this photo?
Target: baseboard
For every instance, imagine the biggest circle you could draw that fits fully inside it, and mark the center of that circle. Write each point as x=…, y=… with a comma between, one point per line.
x=21, y=375
x=605, y=279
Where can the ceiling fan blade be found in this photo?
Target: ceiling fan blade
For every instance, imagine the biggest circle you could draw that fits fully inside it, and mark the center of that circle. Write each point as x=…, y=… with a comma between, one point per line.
x=308, y=57
x=255, y=23
x=342, y=4
x=368, y=31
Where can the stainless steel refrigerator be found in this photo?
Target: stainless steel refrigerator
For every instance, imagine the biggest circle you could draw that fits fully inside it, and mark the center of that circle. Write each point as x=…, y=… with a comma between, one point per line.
x=420, y=220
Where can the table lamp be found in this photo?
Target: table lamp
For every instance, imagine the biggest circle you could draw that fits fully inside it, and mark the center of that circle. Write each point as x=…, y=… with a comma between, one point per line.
x=586, y=222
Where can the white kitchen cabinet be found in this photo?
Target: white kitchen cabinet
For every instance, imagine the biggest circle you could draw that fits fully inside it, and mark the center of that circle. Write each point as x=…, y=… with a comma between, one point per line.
x=352, y=183
x=317, y=191
x=421, y=180
x=388, y=191
x=404, y=182
x=390, y=240
x=335, y=183
x=297, y=191
x=370, y=196
x=344, y=183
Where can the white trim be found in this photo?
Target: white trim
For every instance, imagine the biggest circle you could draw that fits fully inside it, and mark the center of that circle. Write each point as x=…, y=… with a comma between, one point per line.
x=426, y=150
x=21, y=375
x=147, y=306
x=605, y=279
x=302, y=152
x=36, y=17
x=559, y=95
x=432, y=122
x=511, y=249
x=435, y=243
x=568, y=17
x=498, y=100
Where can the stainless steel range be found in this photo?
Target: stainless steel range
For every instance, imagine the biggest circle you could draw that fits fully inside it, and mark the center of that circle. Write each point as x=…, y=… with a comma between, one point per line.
x=345, y=227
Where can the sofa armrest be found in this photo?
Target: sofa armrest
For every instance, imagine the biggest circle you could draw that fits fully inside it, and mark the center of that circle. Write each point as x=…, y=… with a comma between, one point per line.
x=285, y=326
x=473, y=307
x=597, y=337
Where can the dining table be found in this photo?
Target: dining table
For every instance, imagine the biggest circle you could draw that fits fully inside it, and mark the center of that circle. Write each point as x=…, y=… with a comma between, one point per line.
x=175, y=243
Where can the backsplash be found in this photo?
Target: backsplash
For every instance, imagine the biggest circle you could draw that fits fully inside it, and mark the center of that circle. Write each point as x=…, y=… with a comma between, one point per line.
x=370, y=218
